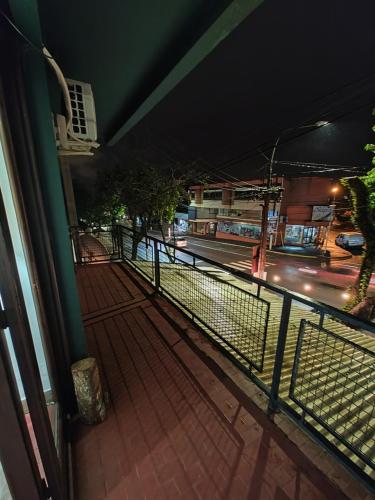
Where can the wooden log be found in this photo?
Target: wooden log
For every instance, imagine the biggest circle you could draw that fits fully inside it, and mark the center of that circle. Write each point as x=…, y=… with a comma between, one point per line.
x=88, y=389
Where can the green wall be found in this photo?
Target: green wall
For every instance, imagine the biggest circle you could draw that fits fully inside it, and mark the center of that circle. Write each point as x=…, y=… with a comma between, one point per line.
x=25, y=14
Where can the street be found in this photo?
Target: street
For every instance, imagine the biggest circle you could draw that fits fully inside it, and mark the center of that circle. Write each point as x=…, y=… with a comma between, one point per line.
x=295, y=272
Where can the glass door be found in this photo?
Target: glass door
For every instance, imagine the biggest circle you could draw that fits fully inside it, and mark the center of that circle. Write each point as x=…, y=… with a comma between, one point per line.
x=310, y=235
x=20, y=476
x=26, y=365
x=25, y=337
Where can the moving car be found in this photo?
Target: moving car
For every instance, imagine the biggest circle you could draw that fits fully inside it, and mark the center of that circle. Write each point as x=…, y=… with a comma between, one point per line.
x=350, y=240
x=178, y=241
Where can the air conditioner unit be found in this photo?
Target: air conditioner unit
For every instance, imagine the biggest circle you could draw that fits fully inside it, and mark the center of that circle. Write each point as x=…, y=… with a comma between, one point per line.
x=81, y=136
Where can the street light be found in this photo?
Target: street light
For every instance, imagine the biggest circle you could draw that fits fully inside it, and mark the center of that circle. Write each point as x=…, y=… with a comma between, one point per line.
x=264, y=227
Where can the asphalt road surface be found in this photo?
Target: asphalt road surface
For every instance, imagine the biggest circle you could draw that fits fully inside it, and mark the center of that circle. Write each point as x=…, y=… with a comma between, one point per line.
x=296, y=273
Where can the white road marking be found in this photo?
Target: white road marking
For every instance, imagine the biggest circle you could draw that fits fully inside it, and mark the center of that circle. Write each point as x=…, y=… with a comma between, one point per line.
x=217, y=242
x=217, y=249
x=307, y=270
x=240, y=265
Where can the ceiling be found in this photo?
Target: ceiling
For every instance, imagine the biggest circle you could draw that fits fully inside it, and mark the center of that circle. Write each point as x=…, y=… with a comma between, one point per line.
x=126, y=48
x=288, y=64
x=161, y=88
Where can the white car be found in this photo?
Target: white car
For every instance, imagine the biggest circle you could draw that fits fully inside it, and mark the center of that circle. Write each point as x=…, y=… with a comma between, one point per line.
x=350, y=240
x=178, y=241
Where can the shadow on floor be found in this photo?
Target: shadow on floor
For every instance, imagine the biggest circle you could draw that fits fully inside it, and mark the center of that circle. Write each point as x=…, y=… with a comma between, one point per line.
x=176, y=426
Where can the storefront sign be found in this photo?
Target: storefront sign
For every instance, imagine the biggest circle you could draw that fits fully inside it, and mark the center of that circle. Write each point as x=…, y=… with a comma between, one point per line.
x=322, y=213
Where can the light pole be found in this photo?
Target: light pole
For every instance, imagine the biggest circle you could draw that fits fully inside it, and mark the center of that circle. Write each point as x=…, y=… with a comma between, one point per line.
x=264, y=226
x=334, y=191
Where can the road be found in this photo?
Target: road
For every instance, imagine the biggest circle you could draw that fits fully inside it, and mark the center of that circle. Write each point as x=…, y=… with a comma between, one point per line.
x=296, y=273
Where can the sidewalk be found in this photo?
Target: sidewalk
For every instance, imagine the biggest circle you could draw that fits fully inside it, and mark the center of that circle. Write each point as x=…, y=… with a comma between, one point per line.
x=336, y=253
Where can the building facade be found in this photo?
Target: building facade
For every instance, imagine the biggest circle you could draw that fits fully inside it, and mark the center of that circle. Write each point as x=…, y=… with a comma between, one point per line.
x=298, y=216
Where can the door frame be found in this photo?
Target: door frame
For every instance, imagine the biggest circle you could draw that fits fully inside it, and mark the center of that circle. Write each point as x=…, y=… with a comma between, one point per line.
x=20, y=333
x=16, y=129
x=16, y=452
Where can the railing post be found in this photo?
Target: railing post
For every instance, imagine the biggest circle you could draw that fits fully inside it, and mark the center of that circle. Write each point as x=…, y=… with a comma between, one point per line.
x=74, y=234
x=280, y=350
x=157, y=266
x=120, y=245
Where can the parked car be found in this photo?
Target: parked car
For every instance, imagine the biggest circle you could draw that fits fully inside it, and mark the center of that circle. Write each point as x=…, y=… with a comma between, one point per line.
x=178, y=241
x=350, y=240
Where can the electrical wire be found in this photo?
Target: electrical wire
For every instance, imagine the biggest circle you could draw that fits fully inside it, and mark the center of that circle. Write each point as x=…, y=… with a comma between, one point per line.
x=236, y=182
x=366, y=80
x=228, y=179
x=212, y=170
x=15, y=27
x=255, y=151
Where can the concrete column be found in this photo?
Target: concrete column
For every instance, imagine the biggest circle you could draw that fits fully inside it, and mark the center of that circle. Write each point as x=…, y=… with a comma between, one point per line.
x=199, y=196
x=227, y=197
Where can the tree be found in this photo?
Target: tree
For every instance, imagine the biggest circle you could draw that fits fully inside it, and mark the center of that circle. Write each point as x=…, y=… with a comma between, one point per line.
x=104, y=206
x=136, y=194
x=362, y=198
x=152, y=195
x=147, y=193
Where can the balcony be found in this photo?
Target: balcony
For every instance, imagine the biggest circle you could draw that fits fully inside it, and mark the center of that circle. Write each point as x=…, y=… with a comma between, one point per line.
x=182, y=422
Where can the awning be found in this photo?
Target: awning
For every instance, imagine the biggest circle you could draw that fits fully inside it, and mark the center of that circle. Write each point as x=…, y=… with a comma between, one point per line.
x=202, y=220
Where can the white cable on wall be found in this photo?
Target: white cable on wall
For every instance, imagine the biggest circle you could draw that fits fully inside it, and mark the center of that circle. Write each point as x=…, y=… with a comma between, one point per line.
x=63, y=85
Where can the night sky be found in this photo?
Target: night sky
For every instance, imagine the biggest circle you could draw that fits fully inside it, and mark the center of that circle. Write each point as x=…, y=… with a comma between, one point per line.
x=290, y=63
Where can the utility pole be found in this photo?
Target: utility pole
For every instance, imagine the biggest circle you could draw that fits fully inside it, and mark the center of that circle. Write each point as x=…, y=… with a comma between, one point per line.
x=333, y=206
x=267, y=197
x=265, y=211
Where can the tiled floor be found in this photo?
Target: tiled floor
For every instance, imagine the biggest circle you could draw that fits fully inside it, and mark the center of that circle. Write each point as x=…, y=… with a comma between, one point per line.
x=175, y=428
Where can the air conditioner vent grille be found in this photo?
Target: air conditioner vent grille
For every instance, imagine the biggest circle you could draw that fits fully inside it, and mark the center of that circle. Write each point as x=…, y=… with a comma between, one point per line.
x=84, y=118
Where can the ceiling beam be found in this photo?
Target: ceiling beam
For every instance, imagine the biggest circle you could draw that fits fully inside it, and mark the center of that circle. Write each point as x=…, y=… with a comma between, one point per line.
x=232, y=16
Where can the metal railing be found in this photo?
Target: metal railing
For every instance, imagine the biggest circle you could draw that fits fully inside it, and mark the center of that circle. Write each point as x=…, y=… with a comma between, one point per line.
x=237, y=317
x=94, y=244
x=315, y=362
x=332, y=380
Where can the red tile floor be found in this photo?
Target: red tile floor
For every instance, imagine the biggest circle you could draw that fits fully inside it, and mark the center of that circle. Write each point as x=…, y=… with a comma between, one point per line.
x=176, y=428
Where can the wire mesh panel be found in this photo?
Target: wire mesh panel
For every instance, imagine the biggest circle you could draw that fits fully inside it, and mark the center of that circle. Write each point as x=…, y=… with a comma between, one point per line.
x=127, y=244
x=95, y=246
x=238, y=318
x=333, y=381
x=108, y=240
x=140, y=256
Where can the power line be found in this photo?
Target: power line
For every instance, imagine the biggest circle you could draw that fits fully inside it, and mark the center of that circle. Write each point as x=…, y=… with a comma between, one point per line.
x=331, y=104
x=231, y=178
x=227, y=179
x=235, y=181
x=254, y=151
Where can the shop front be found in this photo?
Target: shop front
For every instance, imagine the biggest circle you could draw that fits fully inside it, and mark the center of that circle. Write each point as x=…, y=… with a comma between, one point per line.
x=238, y=230
x=202, y=227
x=301, y=235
